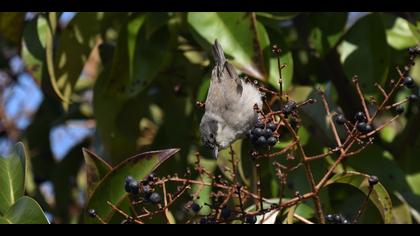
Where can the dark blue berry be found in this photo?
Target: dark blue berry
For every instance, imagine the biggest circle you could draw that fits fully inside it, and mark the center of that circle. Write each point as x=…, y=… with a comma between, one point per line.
x=399, y=109
x=250, y=219
x=373, y=180
x=267, y=133
x=412, y=98
x=151, y=177
x=92, y=213
x=364, y=128
x=330, y=218
x=134, y=187
x=195, y=207
x=261, y=141
x=340, y=119
x=271, y=141
x=412, y=51
x=128, y=180
x=289, y=107
x=360, y=116
x=147, y=189
x=338, y=219
x=361, y=127
x=409, y=82
x=211, y=221
x=368, y=129
x=272, y=126
x=225, y=213
x=258, y=132
x=203, y=221
x=154, y=198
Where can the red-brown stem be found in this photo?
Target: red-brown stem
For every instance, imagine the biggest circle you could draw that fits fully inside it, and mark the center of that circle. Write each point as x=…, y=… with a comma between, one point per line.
x=385, y=101
x=322, y=156
x=396, y=104
x=332, y=168
x=362, y=98
x=278, y=153
x=308, y=172
x=380, y=127
x=381, y=89
x=331, y=122
x=115, y=208
x=280, y=79
x=163, y=209
x=363, y=207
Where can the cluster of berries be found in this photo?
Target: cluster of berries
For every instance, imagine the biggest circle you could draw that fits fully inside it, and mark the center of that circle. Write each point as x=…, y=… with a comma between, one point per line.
x=263, y=135
x=336, y=219
x=362, y=125
x=414, y=51
x=135, y=187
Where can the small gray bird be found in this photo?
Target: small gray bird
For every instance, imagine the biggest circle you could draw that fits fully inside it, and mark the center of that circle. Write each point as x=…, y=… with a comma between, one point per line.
x=229, y=105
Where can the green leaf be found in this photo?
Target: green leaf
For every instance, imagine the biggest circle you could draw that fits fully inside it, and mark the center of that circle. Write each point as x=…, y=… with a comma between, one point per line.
x=33, y=46
x=379, y=196
x=398, y=32
x=111, y=188
x=241, y=36
x=74, y=47
x=11, y=26
x=96, y=169
x=415, y=29
x=290, y=215
x=366, y=42
x=401, y=210
x=25, y=211
x=49, y=55
x=278, y=16
x=123, y=83
x=326, y=30
x=170, y=217
x=12, y=178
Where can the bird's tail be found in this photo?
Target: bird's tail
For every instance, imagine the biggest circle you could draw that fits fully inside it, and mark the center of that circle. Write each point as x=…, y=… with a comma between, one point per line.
x=218, y=54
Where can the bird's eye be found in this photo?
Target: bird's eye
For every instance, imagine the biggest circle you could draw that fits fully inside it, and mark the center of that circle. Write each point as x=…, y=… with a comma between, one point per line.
x=212, y=136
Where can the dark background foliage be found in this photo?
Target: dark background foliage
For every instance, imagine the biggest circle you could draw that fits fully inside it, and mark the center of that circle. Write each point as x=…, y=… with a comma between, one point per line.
x=123, y=83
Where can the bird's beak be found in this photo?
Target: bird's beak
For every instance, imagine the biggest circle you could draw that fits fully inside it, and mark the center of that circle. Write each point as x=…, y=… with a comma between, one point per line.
x=215, y=151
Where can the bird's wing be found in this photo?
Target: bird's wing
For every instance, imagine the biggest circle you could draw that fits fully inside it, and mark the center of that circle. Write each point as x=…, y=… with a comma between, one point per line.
x=223, y=69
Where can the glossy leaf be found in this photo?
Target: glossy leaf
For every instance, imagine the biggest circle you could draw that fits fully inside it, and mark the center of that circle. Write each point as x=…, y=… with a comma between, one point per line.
x=33, y=46
x=241, y=37
x=415, y=29
x=111, y=188
x=398, y=32
x=278, y=16
x=25, y=211
x=379, y=195
x=96, y=169
x=326, y=30
x=49, y=55
x=12, y=178
x=364, y=52
x=121, y=86
x=290, y=215
x=74, y=46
